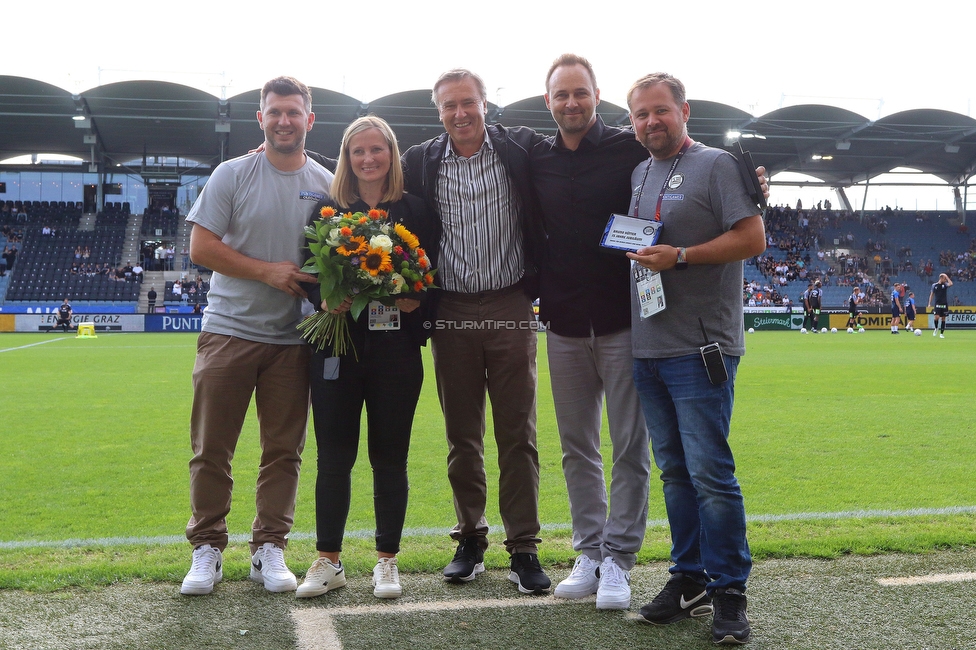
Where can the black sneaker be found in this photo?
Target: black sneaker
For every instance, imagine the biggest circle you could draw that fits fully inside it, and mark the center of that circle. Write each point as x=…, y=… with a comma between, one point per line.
x=730, y=625
x=681, y=598
x=527, y=574
x=468, y=562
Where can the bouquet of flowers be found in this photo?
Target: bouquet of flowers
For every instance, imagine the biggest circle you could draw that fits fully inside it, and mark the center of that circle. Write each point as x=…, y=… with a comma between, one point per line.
x=364, y=256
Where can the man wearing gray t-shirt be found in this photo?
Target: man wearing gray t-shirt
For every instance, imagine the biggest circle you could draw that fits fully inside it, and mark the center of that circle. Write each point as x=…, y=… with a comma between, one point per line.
x=248, y=227
x=709, y=225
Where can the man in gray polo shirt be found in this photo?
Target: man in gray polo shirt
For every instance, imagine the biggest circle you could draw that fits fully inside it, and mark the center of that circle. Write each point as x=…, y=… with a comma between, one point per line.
x=248, y=227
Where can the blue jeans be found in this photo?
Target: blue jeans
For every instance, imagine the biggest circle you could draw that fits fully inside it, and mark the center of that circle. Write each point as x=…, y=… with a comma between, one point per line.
x=688, y=420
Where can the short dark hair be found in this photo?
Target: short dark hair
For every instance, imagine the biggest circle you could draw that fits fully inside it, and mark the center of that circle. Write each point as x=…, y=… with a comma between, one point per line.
x=568, y=60
x=285, y=86
x=677, y=88
x=459, y=74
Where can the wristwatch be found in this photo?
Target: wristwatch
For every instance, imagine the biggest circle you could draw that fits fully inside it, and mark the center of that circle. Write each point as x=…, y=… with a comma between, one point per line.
x=682, y=262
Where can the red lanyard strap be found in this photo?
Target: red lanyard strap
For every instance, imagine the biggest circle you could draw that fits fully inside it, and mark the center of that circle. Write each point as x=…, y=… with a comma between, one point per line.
x=667, y=180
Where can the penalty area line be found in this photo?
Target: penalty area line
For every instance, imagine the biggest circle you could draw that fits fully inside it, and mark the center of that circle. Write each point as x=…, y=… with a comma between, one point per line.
x=315, y=628
x=933, y=579
x=30, y=345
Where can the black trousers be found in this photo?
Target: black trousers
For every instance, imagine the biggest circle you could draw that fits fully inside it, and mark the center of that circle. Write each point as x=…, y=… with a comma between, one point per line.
x=386, y=379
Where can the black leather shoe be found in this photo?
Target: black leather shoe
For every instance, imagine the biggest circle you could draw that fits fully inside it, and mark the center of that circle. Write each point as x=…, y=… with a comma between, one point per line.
x=468, y=562
x=527, y=574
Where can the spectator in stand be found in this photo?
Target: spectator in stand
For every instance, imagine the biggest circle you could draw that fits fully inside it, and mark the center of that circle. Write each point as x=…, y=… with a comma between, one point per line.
x=151, y=297
x=137, y=272
x=160, y=258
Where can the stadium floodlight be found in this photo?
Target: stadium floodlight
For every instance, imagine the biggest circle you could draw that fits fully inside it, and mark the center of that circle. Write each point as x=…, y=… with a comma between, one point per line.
x=733, y=135
x=819, y=156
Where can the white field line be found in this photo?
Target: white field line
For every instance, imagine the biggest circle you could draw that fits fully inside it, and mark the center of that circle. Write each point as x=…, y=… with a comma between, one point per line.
x=315, y=628
x=431, y=532
x=30, y=345
x=934, y=579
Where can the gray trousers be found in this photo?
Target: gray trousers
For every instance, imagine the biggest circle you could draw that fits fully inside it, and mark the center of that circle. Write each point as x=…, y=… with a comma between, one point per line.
x=583, y=371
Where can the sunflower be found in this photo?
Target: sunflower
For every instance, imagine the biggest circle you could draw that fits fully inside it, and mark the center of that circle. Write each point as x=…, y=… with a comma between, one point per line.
x=327, y=212
x=408, y=237
x=376, y=261
x=356, y=245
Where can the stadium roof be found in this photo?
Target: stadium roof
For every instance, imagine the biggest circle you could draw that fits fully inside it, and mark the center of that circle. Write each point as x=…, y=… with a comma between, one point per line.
x=158, y=119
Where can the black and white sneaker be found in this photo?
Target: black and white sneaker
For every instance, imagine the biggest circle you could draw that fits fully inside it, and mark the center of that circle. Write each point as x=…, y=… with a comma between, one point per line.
x=730, y=625
x=683, y=597
x=468, y=562
x=527, y=574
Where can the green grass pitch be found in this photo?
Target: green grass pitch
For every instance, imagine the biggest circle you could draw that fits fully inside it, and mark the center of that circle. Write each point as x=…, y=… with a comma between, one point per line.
x=844, y=443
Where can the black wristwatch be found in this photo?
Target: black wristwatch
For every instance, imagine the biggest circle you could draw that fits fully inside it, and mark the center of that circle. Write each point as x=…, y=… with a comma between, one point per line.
x=682, y=262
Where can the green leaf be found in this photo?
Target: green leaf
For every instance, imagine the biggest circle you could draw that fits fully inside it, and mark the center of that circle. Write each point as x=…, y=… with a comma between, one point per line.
x=358, y=304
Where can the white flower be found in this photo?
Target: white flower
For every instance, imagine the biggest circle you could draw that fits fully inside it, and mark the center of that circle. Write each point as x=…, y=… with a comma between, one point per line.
x=385, y=229
x=398, y=283
x=381, y=241
x=333, y=239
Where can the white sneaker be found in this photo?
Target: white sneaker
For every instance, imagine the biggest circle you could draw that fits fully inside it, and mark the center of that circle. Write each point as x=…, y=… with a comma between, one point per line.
x=582, y=580
x=322, y=576
x=386, y=578
x=206, y=571
x=614, y=589
x=934, y=332
x=268, y=567
x=941, y=336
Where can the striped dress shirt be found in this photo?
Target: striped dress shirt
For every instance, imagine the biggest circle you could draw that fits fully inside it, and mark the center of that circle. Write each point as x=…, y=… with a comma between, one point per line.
x=481, y=241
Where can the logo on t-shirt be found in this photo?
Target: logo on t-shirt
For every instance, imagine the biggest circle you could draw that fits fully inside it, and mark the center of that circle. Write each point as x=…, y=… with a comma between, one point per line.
x=307, y=195
x=675, y=181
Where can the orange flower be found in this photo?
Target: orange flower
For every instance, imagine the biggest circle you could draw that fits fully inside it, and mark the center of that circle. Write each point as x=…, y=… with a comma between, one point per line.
x=429, y=279
x=355, y=246
x=376, y=261
x=377, y=214
x=423, y=263
x=408, y=237
x=421, y=253
x=363, y=219
x=345, y=231
x=398, y=250
x=418, y=286
x=327, y=212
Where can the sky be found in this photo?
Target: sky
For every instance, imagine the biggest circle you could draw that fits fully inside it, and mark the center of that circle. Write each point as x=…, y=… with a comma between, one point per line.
x=871, y=57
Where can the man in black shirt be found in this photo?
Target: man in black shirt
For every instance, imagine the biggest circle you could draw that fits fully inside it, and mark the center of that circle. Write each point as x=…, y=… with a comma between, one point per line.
x=580, y=177
x=852, y=308
x=940, y=292
x=151, y=296
x=64, y=316
x=814, y=301
x=807, y=310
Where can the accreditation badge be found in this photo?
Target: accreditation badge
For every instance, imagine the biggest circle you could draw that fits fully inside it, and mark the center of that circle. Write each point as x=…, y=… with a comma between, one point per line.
x=383, y=317
x=650, y=291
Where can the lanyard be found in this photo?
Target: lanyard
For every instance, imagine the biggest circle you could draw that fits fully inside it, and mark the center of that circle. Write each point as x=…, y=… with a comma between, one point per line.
x=664, y=187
